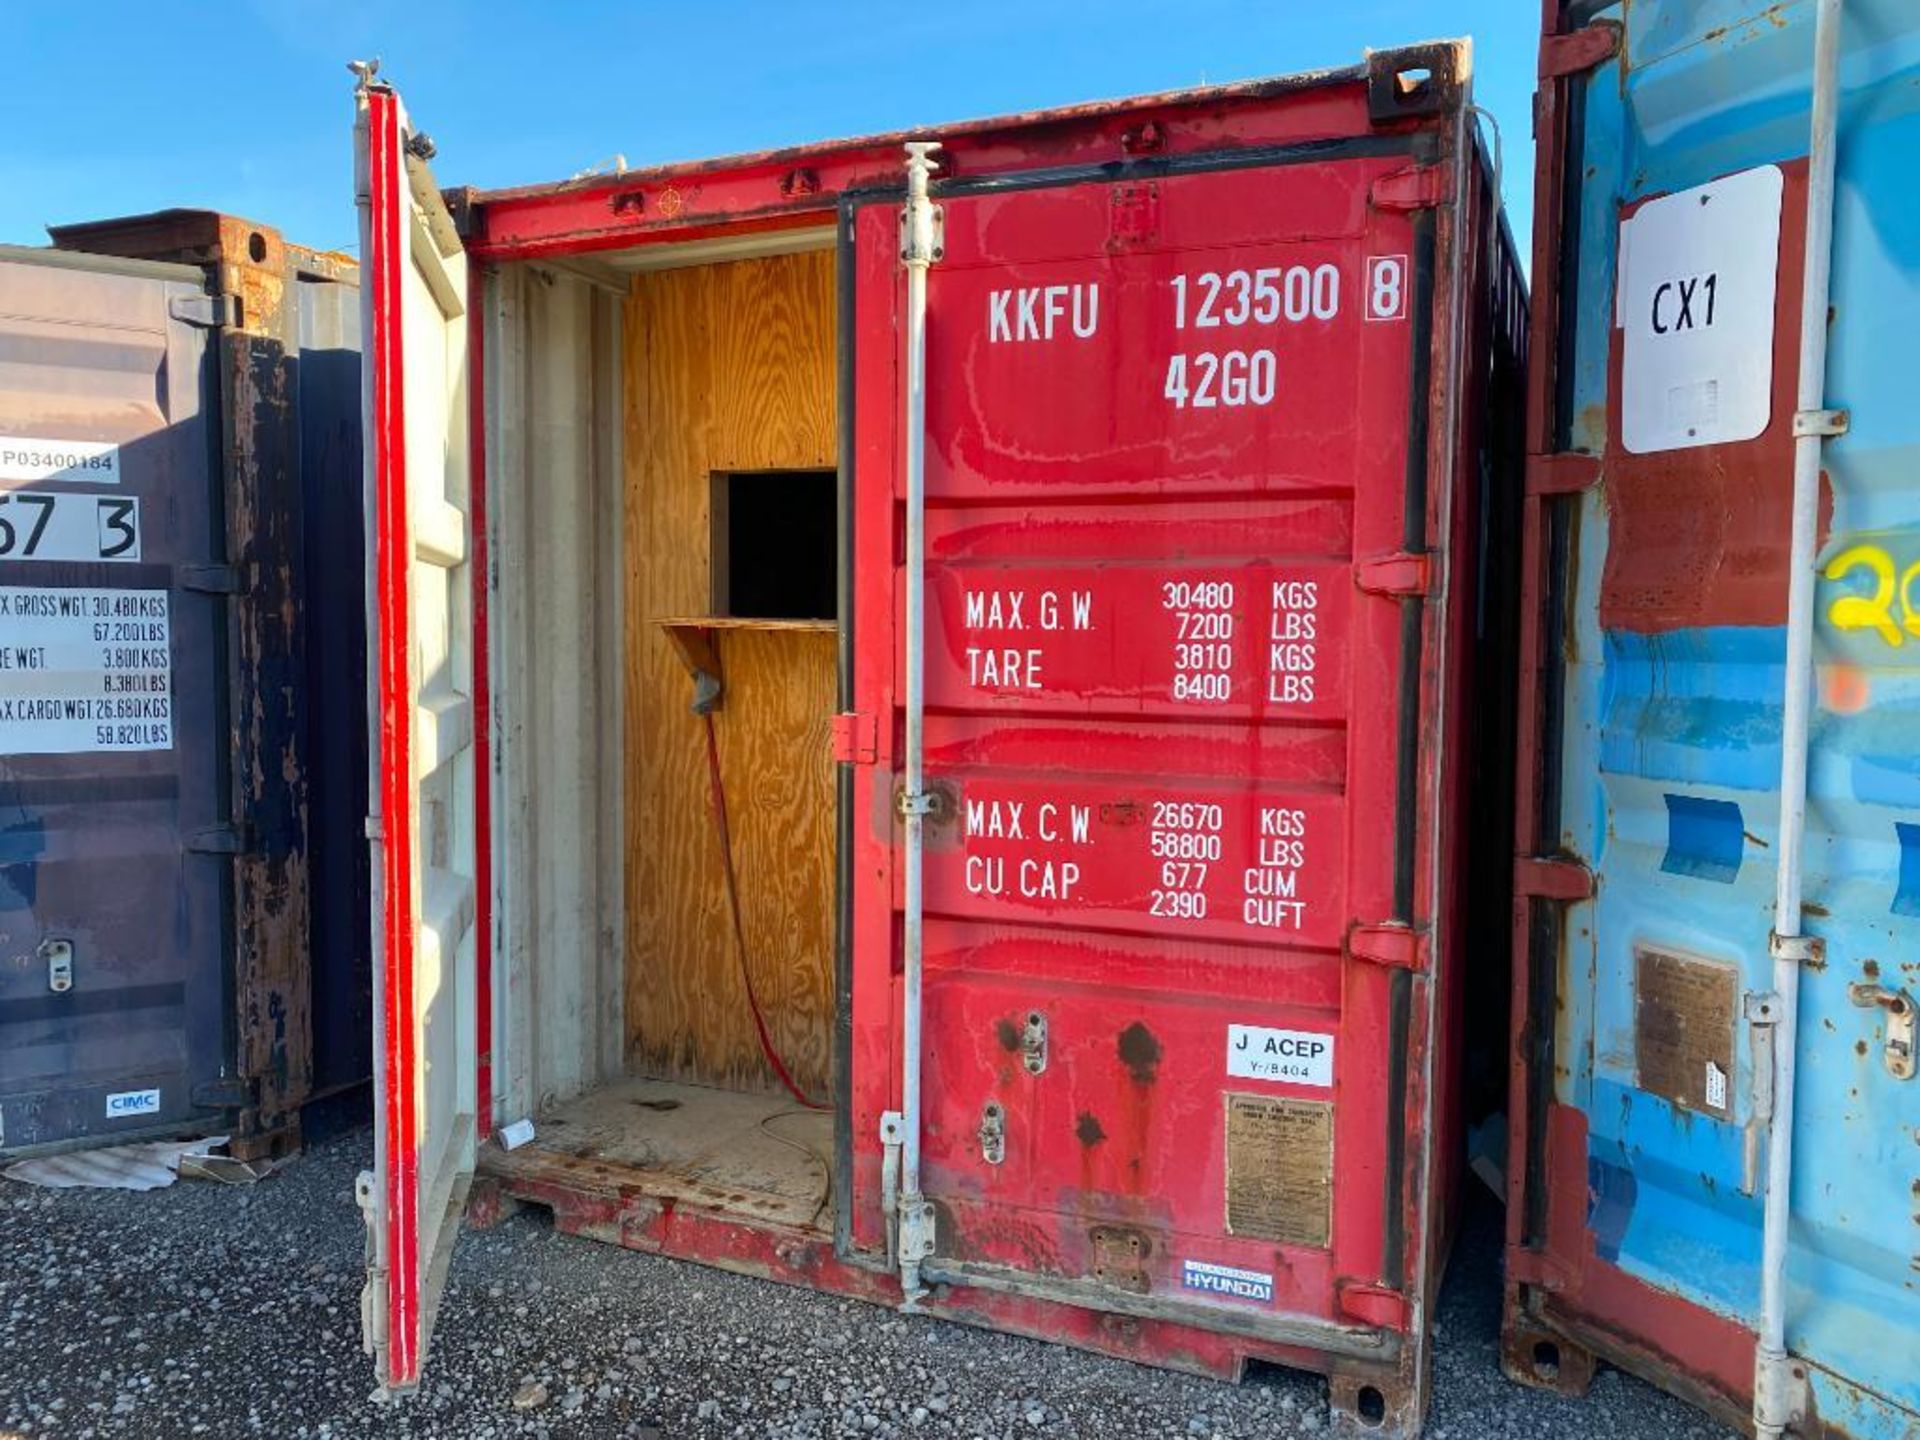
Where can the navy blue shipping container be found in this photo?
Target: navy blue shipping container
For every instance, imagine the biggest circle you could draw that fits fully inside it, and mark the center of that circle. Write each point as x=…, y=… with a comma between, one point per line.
x=182, y=941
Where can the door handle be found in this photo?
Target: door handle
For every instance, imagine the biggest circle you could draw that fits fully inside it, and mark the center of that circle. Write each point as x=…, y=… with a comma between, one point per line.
x=1901, y=1016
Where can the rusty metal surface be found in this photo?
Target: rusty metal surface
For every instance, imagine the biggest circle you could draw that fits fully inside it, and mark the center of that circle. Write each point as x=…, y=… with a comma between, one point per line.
x=257, y=357
x=266, y=440
x=801, y=184
x=1651, y=732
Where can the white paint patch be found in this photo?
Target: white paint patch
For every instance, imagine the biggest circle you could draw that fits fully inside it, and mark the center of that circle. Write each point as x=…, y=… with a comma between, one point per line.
x=1696, y=302
x=96, y=462
x=1292, y=1057
x=123, y=1103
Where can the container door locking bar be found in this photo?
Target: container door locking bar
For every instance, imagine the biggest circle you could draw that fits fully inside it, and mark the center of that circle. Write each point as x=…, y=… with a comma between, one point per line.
x=921, y=243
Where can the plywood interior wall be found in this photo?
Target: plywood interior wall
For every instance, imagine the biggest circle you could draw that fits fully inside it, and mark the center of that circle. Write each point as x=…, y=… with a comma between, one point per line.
x=728, y=367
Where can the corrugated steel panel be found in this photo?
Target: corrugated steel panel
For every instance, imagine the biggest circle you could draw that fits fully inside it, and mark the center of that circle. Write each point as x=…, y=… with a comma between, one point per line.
x=115, y=896
x=1203, y=576
x=1662, y=589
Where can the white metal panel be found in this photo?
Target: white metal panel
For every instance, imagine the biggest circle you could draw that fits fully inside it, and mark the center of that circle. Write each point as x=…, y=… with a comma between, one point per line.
x=422, y=817
x=1696, y=303
x=554, y=390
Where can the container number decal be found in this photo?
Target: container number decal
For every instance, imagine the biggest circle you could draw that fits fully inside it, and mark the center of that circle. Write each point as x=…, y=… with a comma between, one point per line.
x=47, y=527
x=1695, y=304
x=94, y=462
x=1268, y=295
x=1386, y=287
x=84, y=670
x=1258, y=297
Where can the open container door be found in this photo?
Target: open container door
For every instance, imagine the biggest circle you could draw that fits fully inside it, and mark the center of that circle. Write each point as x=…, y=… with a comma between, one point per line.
x=422, y=821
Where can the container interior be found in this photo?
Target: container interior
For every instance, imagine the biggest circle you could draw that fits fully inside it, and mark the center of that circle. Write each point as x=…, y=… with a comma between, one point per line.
x=661, y=457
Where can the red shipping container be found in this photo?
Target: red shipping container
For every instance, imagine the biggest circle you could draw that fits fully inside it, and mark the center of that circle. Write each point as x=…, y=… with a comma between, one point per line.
x=1218, y=452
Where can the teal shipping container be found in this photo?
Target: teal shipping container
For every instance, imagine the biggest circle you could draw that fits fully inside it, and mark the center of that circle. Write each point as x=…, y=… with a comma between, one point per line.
x=1714, y=1161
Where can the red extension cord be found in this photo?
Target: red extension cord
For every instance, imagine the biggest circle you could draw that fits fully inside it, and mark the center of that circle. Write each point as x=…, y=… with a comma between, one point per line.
x=718, y=795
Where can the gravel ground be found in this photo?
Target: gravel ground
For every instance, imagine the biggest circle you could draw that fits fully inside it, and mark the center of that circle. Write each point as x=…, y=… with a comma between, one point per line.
x=200, y=1310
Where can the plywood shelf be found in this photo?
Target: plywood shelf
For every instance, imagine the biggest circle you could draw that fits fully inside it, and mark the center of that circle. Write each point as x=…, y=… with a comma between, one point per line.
x=738, y=622
x=692, y=637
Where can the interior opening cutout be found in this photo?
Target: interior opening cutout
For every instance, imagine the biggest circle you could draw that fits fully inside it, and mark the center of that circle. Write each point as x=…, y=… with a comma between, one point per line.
x=774, y=544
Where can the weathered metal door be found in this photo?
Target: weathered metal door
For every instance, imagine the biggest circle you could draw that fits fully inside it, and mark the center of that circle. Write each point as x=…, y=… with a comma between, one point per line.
x=421, y=817
x=1673, y=219
x=115, y=864
x=1176, y=1029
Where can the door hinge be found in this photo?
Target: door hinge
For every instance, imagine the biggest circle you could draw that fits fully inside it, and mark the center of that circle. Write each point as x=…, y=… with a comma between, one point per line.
x=856, y=738
x=1578, y=50
x=1567, y=473
x=212, y=840
x=1371, y=1303
x=373, y=1295
x=210, y=311
x=1551, y=877
x=1400, y=573
x=209, y=579
x=1418, y=187
x=1400, y=947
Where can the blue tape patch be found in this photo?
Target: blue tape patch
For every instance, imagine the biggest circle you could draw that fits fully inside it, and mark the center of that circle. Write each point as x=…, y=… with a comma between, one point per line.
x=1226, y=1280
x=1705, y=838
x=1611, y=1192
x=1906, y=895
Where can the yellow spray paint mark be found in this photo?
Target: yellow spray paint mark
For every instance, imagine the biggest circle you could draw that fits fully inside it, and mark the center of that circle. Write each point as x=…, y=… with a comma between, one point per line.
x=1891, y=586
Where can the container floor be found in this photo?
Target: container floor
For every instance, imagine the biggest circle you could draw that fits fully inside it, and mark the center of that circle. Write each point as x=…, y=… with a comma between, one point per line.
x=757, y=1156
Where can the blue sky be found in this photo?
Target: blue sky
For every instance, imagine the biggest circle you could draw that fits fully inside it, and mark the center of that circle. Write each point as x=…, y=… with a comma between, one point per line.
x=246, y=105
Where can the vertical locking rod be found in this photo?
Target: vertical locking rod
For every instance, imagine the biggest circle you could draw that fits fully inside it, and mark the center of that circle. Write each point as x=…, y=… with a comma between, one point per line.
x=919, y=248
x=1772, y=1379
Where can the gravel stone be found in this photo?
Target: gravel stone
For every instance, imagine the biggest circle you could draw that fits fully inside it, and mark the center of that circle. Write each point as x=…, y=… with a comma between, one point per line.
x=206, y=1310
